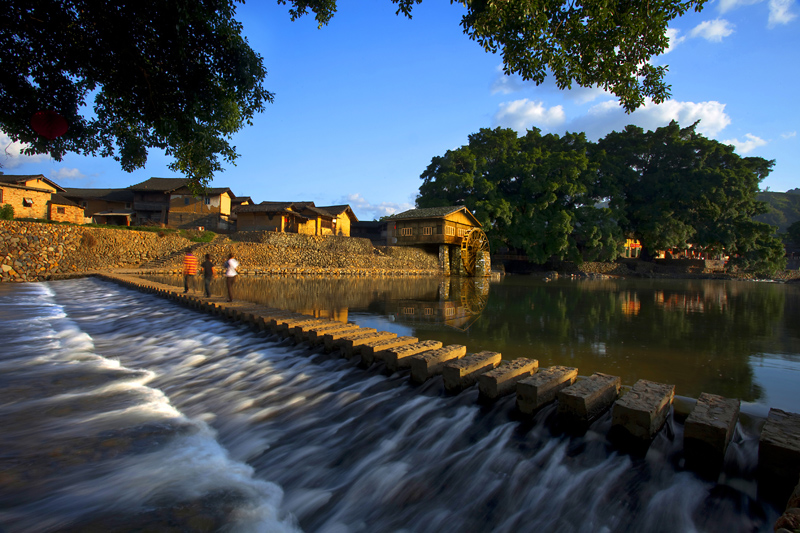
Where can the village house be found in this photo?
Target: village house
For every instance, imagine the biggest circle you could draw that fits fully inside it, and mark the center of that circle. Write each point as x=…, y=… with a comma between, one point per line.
x=104, y=206
x=34, y=196
x=430, y=225
x=343, y=218
x=285, y=217
x=169, y=201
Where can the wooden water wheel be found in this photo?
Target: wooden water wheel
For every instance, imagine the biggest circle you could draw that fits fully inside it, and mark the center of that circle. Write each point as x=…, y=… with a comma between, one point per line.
x=473, y=244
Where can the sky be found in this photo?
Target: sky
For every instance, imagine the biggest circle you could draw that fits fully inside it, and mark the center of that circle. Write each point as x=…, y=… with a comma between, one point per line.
x=363, y=104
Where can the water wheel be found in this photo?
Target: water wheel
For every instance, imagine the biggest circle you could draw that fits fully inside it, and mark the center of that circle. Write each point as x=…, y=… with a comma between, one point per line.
x=473, y=244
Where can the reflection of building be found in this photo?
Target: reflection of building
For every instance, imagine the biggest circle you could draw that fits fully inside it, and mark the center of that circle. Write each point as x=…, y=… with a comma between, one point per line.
x=461, y=301
x=630, y=303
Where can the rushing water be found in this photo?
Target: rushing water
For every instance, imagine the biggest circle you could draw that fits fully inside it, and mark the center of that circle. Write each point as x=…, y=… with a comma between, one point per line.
x=737, y=339
x=122, y=411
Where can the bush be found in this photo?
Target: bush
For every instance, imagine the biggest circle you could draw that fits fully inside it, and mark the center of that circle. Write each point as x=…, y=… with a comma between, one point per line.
x=7, y=212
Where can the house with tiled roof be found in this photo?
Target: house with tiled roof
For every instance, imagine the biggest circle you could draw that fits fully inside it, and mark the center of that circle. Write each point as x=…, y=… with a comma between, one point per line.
x=288, y=217
x=104, y=206
x=430, y=225
x=170, y=202
x=343, y=218
x=35, y=196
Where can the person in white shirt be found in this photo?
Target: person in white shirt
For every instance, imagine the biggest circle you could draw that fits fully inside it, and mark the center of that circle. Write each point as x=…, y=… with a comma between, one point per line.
x=230, y=274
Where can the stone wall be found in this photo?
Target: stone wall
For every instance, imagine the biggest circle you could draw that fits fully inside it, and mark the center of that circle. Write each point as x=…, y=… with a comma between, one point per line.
x=32, y=251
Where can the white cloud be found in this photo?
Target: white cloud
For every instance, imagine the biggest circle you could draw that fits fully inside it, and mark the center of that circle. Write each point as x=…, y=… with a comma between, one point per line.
x=64, y=173
x=674, y=40
x=503, y=84
x=366, y=210
x=10, y=156
x=789, y=134
x=727, y=5
x=779, y=12
x=713, y=30
x=523, y=114
x=748, y=145
x=610, y=116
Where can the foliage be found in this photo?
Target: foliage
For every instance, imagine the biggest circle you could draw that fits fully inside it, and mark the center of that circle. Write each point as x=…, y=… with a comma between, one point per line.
x=783, y=209
x=793, y=233
x=673, y=186
x=172, y=75
x=178, y=76
x=7, y=212
x=198, y=236
x=529, y=191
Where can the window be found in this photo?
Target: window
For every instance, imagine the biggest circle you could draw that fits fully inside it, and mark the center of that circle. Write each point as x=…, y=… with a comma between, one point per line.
x=61, y=210
x=461, y=232
x=428, y=311
x=186, y=200
x=428, y=230
x=449, y=311
x=406, y=232
x=27, y=202
x=1, y=196
x=208, y=200
x=408, y=310
x=450, y=230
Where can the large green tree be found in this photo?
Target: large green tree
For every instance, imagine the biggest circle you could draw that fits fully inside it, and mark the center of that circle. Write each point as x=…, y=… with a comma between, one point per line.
x=177, y=74
x=673, y=186
x=531, y=193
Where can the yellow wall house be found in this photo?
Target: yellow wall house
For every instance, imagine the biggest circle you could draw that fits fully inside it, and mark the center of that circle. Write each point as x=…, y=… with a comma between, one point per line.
x=104, y=206
x=31, y=197
x=430, y=225
x=169, y=201
x=343, y=218
x=286, y=217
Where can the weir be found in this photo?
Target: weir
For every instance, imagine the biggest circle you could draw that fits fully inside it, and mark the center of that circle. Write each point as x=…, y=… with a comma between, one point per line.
x=638, y=412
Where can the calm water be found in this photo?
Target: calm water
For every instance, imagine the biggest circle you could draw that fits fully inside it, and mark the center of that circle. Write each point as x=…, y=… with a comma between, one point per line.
x=122, y=411
x=737, y=339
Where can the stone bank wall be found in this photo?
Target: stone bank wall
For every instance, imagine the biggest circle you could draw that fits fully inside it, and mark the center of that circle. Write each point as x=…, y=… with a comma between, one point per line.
x=31, y=251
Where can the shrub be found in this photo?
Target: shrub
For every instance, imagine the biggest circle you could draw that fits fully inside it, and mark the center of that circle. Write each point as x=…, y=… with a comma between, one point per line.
x=7, y=212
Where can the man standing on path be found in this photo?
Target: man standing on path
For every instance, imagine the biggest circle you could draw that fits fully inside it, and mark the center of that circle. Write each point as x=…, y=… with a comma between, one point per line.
x=208, y=274
x=189, y=269
x=230, y=274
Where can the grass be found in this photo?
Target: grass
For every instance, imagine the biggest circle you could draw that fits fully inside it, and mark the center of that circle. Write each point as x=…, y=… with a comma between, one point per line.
x=192, y=235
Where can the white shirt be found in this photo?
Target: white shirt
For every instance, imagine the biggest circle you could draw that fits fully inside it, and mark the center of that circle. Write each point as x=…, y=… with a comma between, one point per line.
x=233, y=264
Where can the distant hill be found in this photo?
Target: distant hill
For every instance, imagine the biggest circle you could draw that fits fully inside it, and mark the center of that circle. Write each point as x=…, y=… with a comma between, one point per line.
x=784, y=208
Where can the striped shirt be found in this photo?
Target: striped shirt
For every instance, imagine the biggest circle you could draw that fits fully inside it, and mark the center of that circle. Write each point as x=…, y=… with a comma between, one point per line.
x=189, y=265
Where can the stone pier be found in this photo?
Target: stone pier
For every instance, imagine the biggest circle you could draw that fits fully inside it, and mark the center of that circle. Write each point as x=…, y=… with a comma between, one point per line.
x=643, y=410
x=708, y=431
x=503, y=379
x=540, y=389
x=400, y=357
x=458, y=375
x=428, y=364
x=587, y=399
x=370, y=350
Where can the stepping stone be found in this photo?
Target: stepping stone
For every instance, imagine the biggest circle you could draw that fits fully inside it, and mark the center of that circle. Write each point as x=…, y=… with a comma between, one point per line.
x=332, y=339
x=285, y=328
x=709, y=428
x=779, y=446
x=644, y=409
x=369, y=350
x=428, y=364
x=503, y=379
x=400, y=357
x=587, y=399
x=300, y=332
x=540, y=389
x=317, y=335
x=351, y=346
x=463, y=373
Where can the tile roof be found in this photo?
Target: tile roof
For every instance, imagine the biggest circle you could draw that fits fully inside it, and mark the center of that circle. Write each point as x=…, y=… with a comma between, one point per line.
x=337, y=210
x=160, y=184
x=20, y=179
x=57, y=199
x=427, y=212
x=109, y=195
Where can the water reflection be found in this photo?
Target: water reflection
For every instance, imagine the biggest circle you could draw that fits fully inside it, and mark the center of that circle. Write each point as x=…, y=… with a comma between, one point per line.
x=701, y=335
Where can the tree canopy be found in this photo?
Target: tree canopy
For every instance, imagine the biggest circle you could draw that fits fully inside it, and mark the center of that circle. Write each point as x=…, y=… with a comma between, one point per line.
x=545, y=195
x=178, y=75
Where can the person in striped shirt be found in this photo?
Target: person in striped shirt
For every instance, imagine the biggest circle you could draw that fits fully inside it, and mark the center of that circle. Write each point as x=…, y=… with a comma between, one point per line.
x=189, y=269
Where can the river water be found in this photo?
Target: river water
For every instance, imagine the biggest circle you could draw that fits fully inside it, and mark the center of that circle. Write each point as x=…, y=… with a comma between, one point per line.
x=122, y=411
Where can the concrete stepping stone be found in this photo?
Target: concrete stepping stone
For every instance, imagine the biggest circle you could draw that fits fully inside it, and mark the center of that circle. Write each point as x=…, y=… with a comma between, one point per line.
x=285, y=328
x=644, y=409
x=503, y=379
x=779, y=447
x=463, y=373
x=425, y=365
x=708, y=429
x=300, y=332
x=400, y=357
x=332, y=339
x=317, y=335
x=540, y=389
x=371, y=349
x=351, y=346
x=587, y=399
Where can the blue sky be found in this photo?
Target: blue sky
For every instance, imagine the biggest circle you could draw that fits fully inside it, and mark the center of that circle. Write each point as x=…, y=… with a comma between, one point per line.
x=363, y=104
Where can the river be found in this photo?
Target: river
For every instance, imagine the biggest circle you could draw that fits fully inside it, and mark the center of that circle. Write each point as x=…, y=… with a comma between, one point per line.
x=122, y=411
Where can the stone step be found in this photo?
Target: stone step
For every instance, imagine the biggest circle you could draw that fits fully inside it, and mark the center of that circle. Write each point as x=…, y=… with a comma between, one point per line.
x=779, y=447
x=400, y=357
x=332, y=339
x=285, y=328
x=708, y=430
x=540, y=389
x=463, y=373
x=428, y=364
x=643, y=410
x=503, y=379
x=302, y=332
x=317, y=336
x=351, y=346
x=371, y=349
x=587, y=399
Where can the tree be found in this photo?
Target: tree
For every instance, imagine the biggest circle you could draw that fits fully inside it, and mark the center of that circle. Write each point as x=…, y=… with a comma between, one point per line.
x=177, y=75
x=673, y=186
x=793, y=233
x=531, y=193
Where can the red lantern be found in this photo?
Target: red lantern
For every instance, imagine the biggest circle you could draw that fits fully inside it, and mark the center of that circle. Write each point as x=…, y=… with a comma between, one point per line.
x=49, y=124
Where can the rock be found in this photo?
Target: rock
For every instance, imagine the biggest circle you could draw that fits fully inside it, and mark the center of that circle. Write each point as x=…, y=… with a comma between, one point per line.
x=541, y=388
x=644, y=409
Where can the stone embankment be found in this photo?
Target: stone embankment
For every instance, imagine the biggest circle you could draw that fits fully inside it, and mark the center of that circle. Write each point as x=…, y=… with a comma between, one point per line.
x=638, y=413
x=31, y=251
